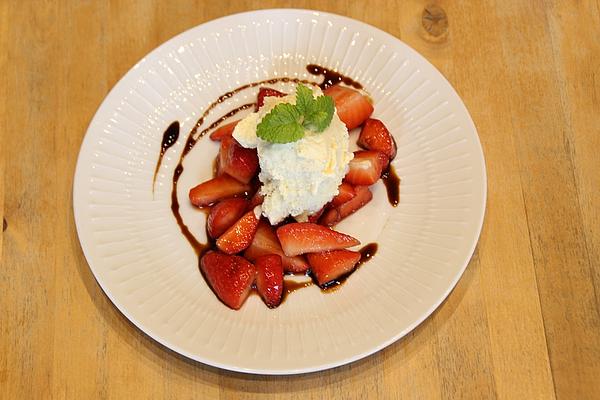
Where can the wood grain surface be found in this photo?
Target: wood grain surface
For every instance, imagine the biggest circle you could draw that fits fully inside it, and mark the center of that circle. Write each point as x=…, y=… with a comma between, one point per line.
x=523, y=322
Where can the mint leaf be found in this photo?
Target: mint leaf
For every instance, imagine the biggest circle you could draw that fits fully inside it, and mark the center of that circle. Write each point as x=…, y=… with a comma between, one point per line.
x=281, y=125
x=285, y=123
x=304, y=99
x=319, y=117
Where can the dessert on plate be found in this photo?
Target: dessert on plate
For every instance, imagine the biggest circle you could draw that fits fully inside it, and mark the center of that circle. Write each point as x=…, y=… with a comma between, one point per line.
x=284, y=177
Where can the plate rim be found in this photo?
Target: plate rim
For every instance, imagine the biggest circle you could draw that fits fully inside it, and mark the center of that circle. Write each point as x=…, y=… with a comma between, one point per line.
x=79, y=222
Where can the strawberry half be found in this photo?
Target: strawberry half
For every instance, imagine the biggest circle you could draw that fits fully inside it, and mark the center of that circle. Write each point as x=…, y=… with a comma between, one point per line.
x=269, y=279
x=265, y=242
x=224, y=214
x=366, y=167
x=218, y=188
x=223, y=131
x=237, y=161
x=230, y=277
x=330, y=265
x=239, y=235
x=306, y=237
x=345, y=193
x=352, y=107
x=362, y=196
x=266, y=92
x=375, y=136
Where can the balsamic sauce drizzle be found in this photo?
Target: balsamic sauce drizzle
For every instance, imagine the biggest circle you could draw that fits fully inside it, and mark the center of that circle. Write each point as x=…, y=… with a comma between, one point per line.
x=391, y=180
x=331, y=78
x=169, y=138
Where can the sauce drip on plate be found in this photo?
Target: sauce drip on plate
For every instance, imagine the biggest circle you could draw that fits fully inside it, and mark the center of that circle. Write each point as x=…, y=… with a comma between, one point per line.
x=391, y=180
x=169, y=138
x=331, y=78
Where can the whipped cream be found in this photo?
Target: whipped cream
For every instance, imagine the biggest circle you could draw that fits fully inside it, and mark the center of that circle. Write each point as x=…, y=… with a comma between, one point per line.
x=298, y=178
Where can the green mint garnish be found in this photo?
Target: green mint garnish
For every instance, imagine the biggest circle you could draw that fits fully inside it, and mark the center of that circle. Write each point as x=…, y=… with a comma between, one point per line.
x=286, y=123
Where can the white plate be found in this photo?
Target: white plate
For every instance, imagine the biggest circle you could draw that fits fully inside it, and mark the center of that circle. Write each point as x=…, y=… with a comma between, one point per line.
x=149, y=271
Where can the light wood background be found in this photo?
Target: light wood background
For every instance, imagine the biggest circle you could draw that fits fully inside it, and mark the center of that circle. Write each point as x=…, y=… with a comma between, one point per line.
x=523, y=322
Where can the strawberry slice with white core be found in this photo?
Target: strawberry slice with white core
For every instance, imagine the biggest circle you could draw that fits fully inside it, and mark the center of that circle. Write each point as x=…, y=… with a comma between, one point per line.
x=306, y=237
x=330, y=265
x=216, y=189
x=239, y=236
x=265, y=242
x=224, y=214
x=269, y=279
x=366, y=167
x=230, y=277
x=352, y=107
x=237, y=161
x=362, y=196
x=223, y=131
x=375, y=136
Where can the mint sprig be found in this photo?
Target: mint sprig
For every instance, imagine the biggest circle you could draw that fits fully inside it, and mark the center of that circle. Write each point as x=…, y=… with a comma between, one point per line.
x=286, y=123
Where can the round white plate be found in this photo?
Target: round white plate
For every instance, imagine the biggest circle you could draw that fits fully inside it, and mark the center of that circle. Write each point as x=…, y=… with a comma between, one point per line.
x=149, y=271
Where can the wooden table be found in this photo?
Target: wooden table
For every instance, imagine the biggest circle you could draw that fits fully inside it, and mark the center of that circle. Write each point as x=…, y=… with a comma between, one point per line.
x=523, y=322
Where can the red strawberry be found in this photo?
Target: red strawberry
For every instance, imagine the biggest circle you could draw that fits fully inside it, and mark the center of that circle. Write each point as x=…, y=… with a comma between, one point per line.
x=265, y=242
x=230, y=277
x=314, y=217
x=330, y=265
x=218, y=188
x=352, y=107
x=239, y=235
x=335, y=215
x=223, y=131
x=345, y=193
x=375, y=136
x=366, y=167
x=256, y=200
x=306, y=237
x=224, y=214
x=269, y=279
x=237, y=161
x=266, y=92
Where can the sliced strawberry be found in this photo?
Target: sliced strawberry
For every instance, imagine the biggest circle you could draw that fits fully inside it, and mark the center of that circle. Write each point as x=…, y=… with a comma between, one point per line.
x=266, y=92
x=345, y=193
x=239, y=235
x=306, y=237
x=330, y=265
x=363, y=196
x=237, y=161
x=352, y=107
x=366, y=167
x=375, y=136
x=223, y=131
x=215, y=189
x=269, y=279
x=256, y=200
x=314, y=217
x=335, y=215
x=230, y=277
x=224, y=214
x=265, y=242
